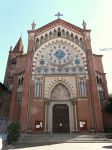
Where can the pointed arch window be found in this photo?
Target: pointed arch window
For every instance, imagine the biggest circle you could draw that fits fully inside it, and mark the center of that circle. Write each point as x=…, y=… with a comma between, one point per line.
x=38, y=89
x=76, y=39
x=81, y=43
x=46, y=37
x=82, y=88
x=59, y=32
x=22, y=80
x=19, y=96
x=50, y=35
x=55, y=33
x=42, y=40
x=67, y=35
x=37, y=42
x=97, y=79
x=63, y=33
x=101, y=94
x=19, y=81
x=72, y=37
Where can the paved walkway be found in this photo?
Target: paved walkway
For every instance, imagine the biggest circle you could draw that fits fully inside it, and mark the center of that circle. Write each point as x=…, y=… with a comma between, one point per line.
x=68, y=146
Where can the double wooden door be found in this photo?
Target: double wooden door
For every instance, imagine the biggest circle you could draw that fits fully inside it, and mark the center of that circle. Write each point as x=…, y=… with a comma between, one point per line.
x=60, y=118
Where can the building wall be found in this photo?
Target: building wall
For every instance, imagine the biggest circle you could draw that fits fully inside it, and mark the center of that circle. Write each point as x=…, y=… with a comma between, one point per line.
x=5, y=96
x=5, y=99
x=31, y=109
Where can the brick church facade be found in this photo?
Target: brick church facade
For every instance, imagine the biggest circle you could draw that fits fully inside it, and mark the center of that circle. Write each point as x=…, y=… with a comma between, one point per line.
x=59, y=85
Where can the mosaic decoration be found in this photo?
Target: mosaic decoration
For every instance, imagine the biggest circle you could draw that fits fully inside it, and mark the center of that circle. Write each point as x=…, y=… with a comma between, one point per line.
x=77, y=61
x=39, y=69
x=42, y=61
x=60, y=58
x=52, y=69
x=67, y=69
x=59, y=54
x=46, y=69
x=73, y=69
x=60, y=70
x=80, y=69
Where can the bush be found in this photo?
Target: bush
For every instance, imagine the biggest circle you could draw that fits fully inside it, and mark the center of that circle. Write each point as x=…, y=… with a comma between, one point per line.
x=108, y=107
x=108, y=129
x=14, y=130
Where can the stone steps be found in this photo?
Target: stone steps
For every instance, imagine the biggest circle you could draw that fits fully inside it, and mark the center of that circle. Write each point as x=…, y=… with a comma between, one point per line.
x=62, y=138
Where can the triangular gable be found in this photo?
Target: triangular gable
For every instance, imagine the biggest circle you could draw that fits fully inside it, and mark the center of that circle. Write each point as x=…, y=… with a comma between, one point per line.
x=56, y=23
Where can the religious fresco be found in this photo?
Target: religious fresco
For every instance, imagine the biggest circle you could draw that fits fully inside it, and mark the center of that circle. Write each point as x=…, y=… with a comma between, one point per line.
x=60, y=92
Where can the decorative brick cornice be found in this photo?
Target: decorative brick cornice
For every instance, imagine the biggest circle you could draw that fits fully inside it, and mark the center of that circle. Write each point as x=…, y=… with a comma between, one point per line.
x=96, y=55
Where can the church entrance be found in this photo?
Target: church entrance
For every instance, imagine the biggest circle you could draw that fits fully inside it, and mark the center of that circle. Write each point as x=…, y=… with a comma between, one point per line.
x=60, y=118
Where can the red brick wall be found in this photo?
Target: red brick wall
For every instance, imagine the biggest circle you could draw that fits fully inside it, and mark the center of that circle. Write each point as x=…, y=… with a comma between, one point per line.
x=19, y=67
x=97, y=59
x=100, y=71
x=83, y=112
x=36, y=113
x=14, y=108
x=26, y=92
x=93, y=90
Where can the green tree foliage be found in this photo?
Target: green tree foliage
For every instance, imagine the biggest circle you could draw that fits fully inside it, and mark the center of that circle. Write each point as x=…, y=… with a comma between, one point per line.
x=14, y=130
x=108, y=107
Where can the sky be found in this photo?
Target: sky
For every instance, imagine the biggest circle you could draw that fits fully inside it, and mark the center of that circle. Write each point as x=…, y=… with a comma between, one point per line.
x=16, y=17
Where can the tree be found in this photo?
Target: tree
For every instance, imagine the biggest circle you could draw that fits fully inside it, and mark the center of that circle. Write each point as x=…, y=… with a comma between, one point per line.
x=108, y=107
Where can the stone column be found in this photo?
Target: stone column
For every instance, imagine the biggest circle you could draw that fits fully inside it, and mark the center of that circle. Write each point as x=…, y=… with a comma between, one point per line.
x=74, y=103
x=76, y=117
x=46, y=115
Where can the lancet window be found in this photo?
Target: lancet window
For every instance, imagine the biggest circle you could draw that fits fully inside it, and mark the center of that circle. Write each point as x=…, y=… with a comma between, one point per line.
x=82, y=88
x=38, y=88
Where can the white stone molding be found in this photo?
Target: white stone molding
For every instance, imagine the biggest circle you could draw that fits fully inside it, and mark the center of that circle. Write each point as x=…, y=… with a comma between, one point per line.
x=50, y=114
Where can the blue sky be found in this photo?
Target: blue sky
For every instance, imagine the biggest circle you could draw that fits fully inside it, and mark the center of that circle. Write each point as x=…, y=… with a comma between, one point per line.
x=16, y=17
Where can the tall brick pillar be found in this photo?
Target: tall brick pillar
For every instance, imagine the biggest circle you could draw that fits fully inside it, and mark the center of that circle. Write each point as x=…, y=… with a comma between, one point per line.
x=24, y=117
x=14, y=107
x=95, y=102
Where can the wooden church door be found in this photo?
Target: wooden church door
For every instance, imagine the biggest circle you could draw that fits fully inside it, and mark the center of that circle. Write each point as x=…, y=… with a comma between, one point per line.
x=60, y=118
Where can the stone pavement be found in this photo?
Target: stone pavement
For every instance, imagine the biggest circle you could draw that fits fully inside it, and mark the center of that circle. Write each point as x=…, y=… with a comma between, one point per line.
x=66, y=146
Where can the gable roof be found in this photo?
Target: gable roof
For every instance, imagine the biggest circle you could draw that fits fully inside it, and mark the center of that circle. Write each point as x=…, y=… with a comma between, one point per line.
x=59, y=22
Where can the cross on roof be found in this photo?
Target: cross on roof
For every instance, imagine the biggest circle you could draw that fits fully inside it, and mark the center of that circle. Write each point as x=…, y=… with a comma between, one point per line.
x=58, y=15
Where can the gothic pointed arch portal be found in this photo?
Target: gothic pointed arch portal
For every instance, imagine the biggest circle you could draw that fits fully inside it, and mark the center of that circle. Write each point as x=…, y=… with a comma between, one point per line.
x=60, y=112
x=60, y=116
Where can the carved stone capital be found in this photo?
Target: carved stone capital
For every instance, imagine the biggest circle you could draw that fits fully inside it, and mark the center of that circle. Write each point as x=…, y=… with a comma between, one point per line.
x=73, y=101
x=46, y=101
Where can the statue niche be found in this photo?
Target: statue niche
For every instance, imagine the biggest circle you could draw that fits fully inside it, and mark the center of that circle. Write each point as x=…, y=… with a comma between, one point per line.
x=60, y=92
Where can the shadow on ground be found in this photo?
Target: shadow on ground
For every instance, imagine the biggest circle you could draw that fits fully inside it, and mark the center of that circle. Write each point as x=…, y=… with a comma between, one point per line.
x=21, y=146
x=107, y=147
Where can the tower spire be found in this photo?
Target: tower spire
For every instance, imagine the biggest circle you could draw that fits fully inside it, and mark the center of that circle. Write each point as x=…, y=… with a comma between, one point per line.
x=19, y=46
x=84, y=25
x=33, y=25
